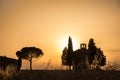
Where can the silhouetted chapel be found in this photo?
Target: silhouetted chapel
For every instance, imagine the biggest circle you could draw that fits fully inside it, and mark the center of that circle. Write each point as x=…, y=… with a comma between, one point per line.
x=80, y=60
x=85, y=58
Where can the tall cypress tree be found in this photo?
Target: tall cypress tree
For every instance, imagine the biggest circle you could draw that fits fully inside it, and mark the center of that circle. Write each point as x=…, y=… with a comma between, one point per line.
x=69, y=53
x=92, y=50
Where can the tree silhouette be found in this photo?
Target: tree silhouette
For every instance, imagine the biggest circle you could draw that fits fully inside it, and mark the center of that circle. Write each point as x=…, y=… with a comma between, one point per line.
x=92, y=51
x=96, y=55
x=101, y=58
x=11, y=62
x=64, y=56
x=29, y=53
x=69, y=53
x=19, y=63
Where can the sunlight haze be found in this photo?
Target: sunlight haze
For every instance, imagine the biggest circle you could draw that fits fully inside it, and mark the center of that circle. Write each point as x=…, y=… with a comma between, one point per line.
x=47, y=24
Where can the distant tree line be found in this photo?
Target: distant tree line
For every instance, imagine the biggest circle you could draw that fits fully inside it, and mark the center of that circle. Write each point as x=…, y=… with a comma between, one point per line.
x=83, y=58
x=5, y=62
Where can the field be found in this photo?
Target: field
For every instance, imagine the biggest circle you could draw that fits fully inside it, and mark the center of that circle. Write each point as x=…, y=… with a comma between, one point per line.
x=66, y=75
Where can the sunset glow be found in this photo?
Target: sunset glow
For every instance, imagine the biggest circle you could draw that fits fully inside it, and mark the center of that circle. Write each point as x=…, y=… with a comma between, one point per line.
x=64, y=43
x=48, y=24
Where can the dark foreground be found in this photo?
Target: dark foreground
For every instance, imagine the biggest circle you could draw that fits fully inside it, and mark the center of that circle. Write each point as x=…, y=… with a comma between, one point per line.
x=66, y=75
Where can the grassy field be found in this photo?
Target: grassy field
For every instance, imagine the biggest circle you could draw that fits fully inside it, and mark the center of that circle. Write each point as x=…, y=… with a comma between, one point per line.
x=66, y=75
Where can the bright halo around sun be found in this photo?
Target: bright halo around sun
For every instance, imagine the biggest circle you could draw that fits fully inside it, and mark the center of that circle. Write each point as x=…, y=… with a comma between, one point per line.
x=64, y=43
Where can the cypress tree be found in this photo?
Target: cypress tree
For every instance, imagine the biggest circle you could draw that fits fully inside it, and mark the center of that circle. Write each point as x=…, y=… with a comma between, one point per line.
x=92, y=50
x=69, y=53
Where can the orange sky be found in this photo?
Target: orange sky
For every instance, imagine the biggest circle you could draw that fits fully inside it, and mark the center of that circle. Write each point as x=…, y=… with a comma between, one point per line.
x=47, y=24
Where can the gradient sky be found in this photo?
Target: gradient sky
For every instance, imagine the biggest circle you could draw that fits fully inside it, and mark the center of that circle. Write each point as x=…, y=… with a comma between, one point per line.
x=47, y=24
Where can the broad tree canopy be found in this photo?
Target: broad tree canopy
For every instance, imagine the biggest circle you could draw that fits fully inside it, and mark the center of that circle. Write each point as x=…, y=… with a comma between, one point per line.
x=29, y=53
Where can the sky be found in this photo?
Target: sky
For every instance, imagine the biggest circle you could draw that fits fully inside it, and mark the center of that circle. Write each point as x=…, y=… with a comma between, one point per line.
x=47, y=24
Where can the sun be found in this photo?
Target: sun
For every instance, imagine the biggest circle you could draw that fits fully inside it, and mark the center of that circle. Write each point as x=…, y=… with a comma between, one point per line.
x=64, y=43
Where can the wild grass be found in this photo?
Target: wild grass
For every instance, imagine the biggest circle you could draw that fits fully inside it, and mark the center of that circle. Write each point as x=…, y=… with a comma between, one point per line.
x=111, y=72
x=8, y=73
x=67, y=75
